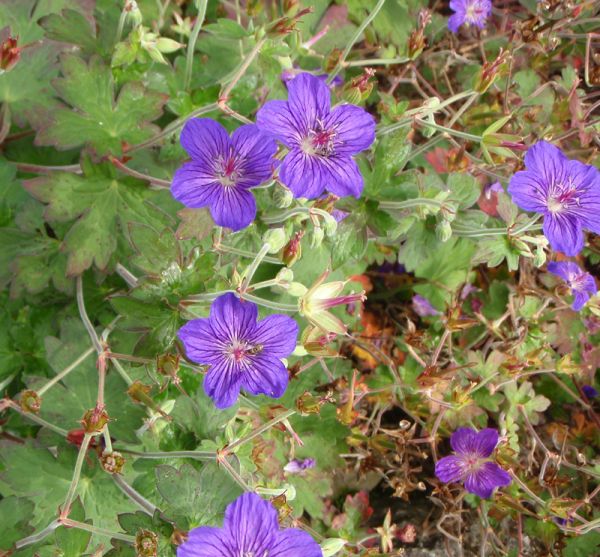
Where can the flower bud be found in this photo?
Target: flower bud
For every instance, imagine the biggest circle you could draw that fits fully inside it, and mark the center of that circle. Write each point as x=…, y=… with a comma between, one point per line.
x=491, y=71
x=318, y=343
x=285, y=275
x=134, y=15
x=330, y=225
x=94, y=420
x=276, y=238
x=359, y=88
x=539, y=257
x=282, y=196
x=316, y=236
x=443, y=231
x=146, y=544
x=9, y=54
x=166, y=45
x=30, y=401
x=296, y=289
x=293, y=250
x=112, y=462
x=332, y=546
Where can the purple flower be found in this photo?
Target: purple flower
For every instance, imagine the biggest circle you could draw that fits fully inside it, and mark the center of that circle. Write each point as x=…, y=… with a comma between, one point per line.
x=469, y=12
x=241, y=351
x=589, y=391
x=292, y=73
x=321, y=140
x=582, y=284
x=566, y=192
x=423, y=307
x=250, y=528
x=299, y=466
x=223, y=170
x=471, y=462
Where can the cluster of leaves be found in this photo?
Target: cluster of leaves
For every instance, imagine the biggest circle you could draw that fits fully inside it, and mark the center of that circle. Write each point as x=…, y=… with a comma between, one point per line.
x=90, y=118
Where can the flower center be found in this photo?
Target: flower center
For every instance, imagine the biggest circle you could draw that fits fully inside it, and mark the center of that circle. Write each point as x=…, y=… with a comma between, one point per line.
x=239, y=350
x=320, y=141
x=227, y=171
x=474, y=12
x=561, y=197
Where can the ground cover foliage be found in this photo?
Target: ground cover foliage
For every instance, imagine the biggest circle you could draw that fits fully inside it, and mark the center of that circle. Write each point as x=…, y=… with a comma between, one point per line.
x=341, y=255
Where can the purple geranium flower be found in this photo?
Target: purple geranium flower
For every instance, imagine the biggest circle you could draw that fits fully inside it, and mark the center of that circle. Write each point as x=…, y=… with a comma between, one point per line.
x=472, y=464
x=423, y=307
x=241, y=351
x=582, y=284
x=223, y=170
x=292, y=73
x=469, y=12
x=250, y=528
x=589, y=391
x=321, y=140
x=297, y=466
x=566, y=192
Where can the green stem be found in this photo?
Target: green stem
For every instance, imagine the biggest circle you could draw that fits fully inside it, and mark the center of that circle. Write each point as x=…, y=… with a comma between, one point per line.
x=121, y=370
x=224, y=96
x=173, y=127
x=450, y=131
x=39, y=536
x=265, y=427
x=244, y=253
x=40, y=421
x=121, y=24
x=65, y=372
x=409, y=115
x=292, y=308
x=376, y=62
x=410, y=203
x=148, y=507
x=353, y=40
x=235, y=476
x=308, y=211
x=96, y=530
x=198, y=455
x=76, y=474
x=84, y=317
x=189, y=60
x=251, y=269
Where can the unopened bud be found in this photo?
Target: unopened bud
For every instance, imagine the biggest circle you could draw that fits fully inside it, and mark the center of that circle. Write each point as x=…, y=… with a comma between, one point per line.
x=540, y=256
x=296, y=289
x=146, y=544
x=167, y=45
x=112, y=462
x=316, y=236
x=443, y=231
x=359, y=88
x=9, y=54
x=282, y=197
x=276, y=238
x=285, y=275
x=30, y=401
x=293, y=250
x=134, y=15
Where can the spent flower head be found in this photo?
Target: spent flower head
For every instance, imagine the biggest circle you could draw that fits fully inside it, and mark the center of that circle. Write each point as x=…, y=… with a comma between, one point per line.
x=471, y=462
x=321, y=141
x=241, y=351
x=565, y=191
x=223, y=169
x=582, y=284
x=250, y=528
